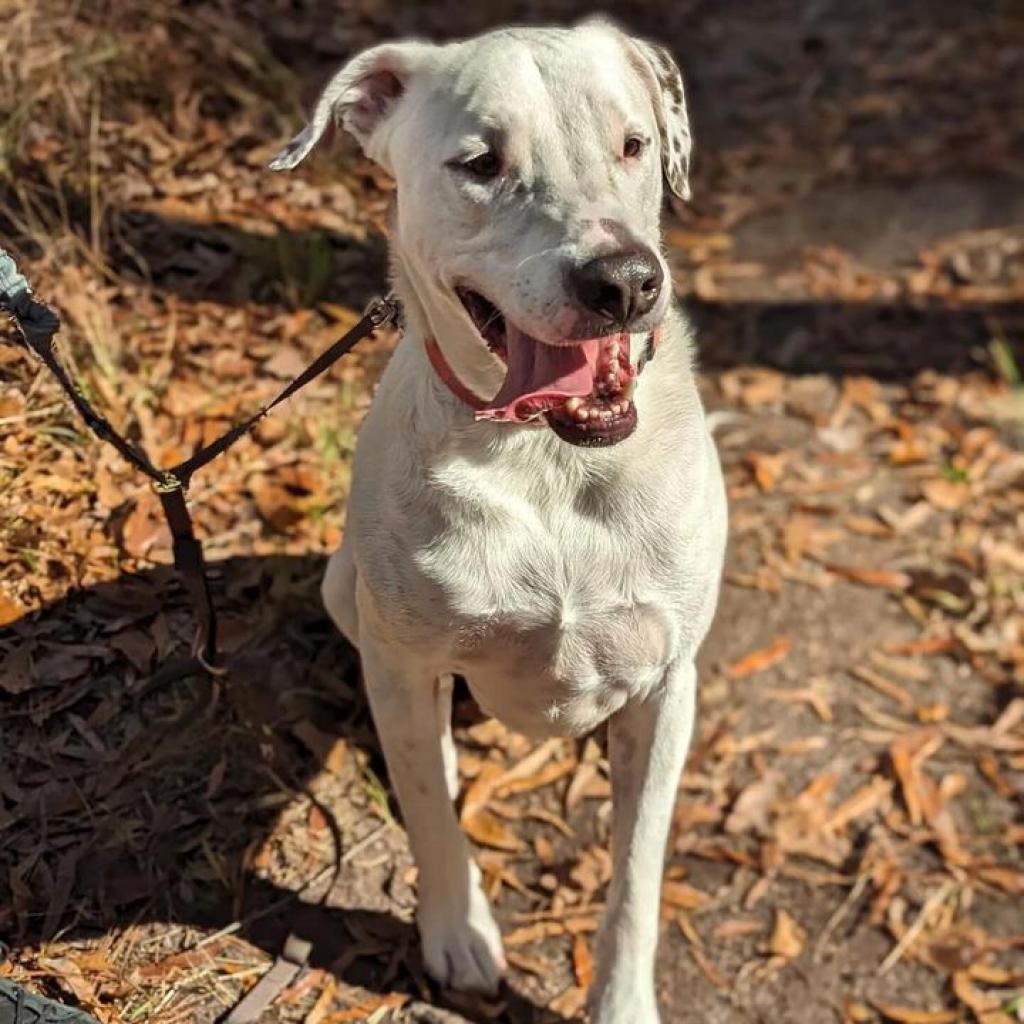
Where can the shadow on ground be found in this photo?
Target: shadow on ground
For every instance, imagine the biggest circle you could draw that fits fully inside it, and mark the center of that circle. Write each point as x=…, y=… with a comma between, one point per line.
x=120, y=807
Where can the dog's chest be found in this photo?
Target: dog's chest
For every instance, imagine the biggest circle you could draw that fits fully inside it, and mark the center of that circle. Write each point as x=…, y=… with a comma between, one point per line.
x=555, y=620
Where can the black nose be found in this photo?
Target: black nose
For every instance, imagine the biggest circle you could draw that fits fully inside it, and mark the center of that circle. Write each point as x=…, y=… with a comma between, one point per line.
x=620, y=287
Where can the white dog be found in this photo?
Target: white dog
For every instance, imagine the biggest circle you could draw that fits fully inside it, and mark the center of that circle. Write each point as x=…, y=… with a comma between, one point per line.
x=533, y=507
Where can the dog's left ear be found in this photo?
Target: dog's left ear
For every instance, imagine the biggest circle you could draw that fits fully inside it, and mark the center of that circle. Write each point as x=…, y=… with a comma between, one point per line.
x=361, y=97
x=659, y=69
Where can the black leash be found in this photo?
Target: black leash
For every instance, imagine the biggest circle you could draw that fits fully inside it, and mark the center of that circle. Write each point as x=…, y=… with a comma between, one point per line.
x=39, y=325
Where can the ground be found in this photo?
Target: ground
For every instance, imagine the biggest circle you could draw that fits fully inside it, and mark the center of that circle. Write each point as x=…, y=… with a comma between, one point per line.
x=848, y=842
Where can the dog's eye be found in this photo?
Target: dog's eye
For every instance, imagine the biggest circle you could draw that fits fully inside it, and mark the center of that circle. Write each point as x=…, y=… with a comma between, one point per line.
x=485, y=166
x=632, y=147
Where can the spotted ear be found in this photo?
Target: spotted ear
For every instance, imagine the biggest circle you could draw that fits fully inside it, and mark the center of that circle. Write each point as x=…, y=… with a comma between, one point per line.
x=666, y=83
x=361, y=97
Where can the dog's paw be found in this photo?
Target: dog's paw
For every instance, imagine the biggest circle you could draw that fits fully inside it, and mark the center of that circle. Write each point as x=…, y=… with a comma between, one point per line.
x=463, y=951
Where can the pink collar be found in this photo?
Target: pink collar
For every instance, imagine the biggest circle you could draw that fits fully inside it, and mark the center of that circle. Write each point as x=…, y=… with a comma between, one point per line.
x=463, y=394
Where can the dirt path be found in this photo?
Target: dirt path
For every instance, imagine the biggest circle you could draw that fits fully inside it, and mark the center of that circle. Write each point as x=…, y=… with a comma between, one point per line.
x=848, y=841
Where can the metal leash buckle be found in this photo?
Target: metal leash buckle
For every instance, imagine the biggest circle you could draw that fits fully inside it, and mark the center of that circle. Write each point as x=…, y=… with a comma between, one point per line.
x=384, y=310
x=167, y=485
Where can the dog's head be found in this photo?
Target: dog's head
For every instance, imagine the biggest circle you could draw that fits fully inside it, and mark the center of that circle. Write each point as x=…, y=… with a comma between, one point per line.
x=529, y=166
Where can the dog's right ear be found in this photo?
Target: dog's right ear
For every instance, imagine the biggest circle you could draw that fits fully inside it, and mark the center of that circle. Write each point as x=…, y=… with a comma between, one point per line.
x=361, y=97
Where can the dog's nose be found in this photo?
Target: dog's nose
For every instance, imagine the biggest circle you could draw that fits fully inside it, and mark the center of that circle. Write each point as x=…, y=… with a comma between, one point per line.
x=620, y=287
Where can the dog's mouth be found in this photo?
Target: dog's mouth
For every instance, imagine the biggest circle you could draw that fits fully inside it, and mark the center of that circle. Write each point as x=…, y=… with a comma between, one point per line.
x=583, y=389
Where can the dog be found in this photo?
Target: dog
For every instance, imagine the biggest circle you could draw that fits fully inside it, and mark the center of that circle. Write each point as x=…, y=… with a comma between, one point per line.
x=537, y=503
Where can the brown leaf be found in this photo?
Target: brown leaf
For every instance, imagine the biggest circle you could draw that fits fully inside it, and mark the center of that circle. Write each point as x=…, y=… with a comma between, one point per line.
x=979, y=1002
x=161, y=970
x=884, y=579
x=787, y=938
x=759, y=660
x=753, y=807
x=857, y=1012
x=570, y=1003
x=883, y=686
x=926, y=645
x=1004, y=878
x=948, y=495
x=534, y=965
x=323, y=1002
x=737, y=927
x=10, y=610
x=767, y=469
x=907, y=752
x=711, y=971
x=533, y=933
x=582, y=961
x=486, y=829
x=276, y=506
x=906, y=1015
x=366, y=1008
x=864, y=801
x=71, y=978
x=548, y=774
x=683, y=896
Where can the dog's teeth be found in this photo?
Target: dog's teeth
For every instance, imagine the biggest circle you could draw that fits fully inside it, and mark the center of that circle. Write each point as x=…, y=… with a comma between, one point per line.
x=572, y=405
x=630, y=389
x=582, y=415
x=613, y=350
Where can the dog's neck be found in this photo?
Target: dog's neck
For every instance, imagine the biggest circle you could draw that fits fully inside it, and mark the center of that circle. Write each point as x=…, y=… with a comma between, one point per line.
x=434, y=315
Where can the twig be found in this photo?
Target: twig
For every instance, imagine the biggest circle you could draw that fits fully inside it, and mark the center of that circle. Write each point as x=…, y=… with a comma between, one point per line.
x=916, y=928
x=841, y=911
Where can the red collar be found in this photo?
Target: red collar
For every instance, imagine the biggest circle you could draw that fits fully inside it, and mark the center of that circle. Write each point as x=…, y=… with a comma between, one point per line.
x=447, y=374
x=461, y=392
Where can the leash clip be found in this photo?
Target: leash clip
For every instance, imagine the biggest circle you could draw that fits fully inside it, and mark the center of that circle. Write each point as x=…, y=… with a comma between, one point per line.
x=168, y=484
x=384, y=310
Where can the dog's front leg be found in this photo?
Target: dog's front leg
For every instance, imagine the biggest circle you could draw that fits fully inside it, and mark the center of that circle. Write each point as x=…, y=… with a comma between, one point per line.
x=648, y=740
x=461, y=941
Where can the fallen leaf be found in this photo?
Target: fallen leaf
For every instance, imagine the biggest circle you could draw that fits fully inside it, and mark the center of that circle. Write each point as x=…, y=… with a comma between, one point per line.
x=737, y=928
x=884, y=579
x=947, y=495
x=488, y=830
x=70, y=978
x=320, y=1008
x=906, y=1015
x=759, y=660
x=10, y=610
x=683, y=896
x=710, y=970
x=570, y=1003
x=883, y=686
x=857, y=1012
x=371, y=1009
x=582, y=962
x=787, y=938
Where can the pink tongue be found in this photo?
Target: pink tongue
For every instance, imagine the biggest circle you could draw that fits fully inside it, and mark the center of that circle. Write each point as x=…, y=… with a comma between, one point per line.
x=541, y=376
